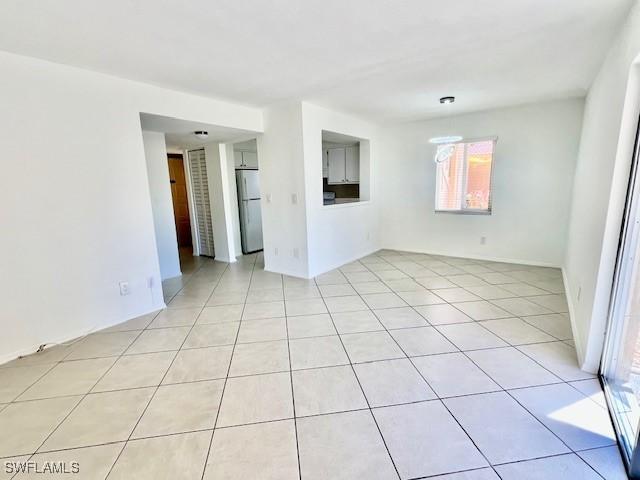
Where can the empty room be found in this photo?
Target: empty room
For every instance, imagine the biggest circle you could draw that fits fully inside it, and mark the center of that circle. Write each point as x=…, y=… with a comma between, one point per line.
x=320, y=240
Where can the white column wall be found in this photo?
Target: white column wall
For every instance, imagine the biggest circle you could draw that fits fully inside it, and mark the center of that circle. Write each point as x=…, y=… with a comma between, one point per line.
x=602, y=175
x=338, y=234
x=162, y=204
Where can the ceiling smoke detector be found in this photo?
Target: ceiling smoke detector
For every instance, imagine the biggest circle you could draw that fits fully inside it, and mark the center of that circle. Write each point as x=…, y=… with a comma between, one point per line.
x=201, y=134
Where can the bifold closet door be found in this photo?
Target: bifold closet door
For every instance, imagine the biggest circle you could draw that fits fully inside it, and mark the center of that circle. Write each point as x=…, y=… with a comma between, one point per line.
x=201, y=202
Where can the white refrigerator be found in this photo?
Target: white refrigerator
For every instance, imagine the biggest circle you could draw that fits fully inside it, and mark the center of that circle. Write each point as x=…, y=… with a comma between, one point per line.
x=249, y=206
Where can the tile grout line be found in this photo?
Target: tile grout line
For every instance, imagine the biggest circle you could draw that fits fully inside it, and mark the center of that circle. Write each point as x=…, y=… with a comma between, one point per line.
x=293, y=396
x=571, y=450
x=431, y=388
x=224, y=385
x=375, y=421
x=394, y=292
x=157, y=387
x=463, y=352
x=83, y=396
x=364, y=409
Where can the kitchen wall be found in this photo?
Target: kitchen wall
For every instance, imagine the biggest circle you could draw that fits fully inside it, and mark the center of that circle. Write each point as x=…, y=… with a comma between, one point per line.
x=161, y=204
x=81, y=219
x=533, y=172
x=339, y=233
x=602, y=174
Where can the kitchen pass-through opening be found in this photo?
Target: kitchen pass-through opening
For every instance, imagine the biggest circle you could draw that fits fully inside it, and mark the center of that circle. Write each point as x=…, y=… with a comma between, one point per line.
x=345, y=168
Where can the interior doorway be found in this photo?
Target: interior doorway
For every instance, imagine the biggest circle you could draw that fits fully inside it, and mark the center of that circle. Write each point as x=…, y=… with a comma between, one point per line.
x=178, y=182
x=192, y=187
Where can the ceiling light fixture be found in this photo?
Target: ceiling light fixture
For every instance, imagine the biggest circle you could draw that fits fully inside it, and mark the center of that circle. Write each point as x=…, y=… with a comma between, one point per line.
x=201, y=134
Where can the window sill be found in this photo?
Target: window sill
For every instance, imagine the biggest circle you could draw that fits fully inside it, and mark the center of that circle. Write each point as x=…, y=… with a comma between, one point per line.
x=465, y=212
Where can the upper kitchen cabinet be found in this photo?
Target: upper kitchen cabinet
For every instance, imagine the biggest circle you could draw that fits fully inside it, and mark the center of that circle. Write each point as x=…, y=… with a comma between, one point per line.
x=250, y=159
x=352, y=164
x=345, y=170
x=343, y=164
x=246, y=155
x=325, y=163
x=336, y=172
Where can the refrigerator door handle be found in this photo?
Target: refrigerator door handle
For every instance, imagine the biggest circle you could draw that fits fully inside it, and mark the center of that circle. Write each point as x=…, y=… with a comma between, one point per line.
x=246, y=209
x=245, y=185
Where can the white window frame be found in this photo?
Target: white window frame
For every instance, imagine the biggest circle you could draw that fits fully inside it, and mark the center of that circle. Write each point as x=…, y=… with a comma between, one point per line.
x=463, y=180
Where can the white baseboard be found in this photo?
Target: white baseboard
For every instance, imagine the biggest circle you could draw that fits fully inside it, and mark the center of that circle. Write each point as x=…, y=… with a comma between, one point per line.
x=4, y=358
x=224, y=259
x=169, y=278
x=487, y=258
x=335, y=265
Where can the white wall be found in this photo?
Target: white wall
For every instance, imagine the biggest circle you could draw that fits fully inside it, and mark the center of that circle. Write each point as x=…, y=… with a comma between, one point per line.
x=338, y=234
x=281, y=157
x=77, y=204
x=531, y=189
x=162, y=204
x=602, y=174
x=219, y=198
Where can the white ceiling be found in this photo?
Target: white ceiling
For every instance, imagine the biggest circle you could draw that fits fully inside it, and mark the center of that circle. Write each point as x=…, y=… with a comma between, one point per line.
x=388, y=59
x=179, y=133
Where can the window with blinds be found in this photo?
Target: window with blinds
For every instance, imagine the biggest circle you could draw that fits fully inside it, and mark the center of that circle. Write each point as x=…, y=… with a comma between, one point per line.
x=463, y=176
x=201, y=202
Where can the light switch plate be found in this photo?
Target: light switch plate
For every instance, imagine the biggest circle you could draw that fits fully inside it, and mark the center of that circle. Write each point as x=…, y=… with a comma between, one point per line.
x=124, y=288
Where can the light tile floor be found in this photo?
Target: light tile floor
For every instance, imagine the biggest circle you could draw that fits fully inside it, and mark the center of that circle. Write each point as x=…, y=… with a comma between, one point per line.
x=398, y=365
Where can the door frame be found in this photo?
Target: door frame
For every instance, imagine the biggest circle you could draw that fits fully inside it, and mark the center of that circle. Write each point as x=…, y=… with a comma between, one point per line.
x=181, y=156
x=621, y=284
x=195, y=240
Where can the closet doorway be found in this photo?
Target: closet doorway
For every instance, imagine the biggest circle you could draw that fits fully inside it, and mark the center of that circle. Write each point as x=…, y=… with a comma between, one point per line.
x=201, y=202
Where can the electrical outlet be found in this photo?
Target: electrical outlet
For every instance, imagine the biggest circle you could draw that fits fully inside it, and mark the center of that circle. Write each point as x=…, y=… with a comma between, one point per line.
x=150, y=282
x=268, y=198
x=579, y=293
x=294, y=198
x=483, y=240
x=275, y=251
x=296, y=253
x=368, y=235
x=124, y=288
